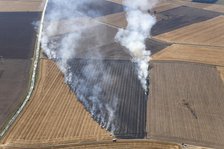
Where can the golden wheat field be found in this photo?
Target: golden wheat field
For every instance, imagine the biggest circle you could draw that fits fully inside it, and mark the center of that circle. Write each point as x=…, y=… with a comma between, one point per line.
x=54, y=114
x=191, y=53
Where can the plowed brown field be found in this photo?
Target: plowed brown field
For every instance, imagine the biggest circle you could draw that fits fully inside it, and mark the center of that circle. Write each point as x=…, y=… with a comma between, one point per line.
x=186, y=104
x=20, y=5
x=117, y=20
x=54, y=114
x=209, y=32
x=190, y=53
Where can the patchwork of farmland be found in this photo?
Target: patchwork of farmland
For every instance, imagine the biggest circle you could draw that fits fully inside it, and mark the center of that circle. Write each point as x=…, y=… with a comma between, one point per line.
x=179, y=17
x=186, y=104
x=185, y=101
x=53, y=114
x=208, y=32
x=17, y=40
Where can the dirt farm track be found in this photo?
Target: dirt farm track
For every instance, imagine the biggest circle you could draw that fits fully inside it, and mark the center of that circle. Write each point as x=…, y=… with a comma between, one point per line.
x=123, y=144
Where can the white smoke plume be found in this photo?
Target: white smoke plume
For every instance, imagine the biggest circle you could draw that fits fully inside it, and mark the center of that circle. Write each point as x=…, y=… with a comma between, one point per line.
x=65, y=31
x=140, y=23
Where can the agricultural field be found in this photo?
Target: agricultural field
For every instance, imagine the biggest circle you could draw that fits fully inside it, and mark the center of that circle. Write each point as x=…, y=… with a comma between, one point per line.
x=117, y=89
x=186, y=104
x=20, y=5
x=14, y=76
x=54, y=115
x=116, y=1
x=169, y=17
x=211, y=7
x=20, y=24
x=192, y=53
x=208, y=32
x=117, y=20
x=17, y=40
x=99, y=7
x=179, y=17
x=221, y=71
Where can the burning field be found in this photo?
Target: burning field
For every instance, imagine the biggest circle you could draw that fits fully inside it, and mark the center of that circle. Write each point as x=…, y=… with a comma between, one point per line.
x=105, y=82
x=113, y=69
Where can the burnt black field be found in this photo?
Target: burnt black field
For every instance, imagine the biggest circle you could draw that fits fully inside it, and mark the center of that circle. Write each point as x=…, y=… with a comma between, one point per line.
x=99, y=8
x=100, y=84
x=17, y=34
x=180, y=17
x=155, y=46
x=105, y=76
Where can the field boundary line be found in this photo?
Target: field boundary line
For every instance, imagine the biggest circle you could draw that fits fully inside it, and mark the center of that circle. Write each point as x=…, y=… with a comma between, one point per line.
x=185, y=61
x=82, y=144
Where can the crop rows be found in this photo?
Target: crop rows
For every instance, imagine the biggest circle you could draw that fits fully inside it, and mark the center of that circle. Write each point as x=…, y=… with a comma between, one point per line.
x=54, y=114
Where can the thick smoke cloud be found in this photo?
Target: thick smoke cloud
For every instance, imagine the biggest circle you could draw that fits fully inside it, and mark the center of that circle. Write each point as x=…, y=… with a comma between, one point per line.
x=66, y=32
x=140, y=22
x=71, y=39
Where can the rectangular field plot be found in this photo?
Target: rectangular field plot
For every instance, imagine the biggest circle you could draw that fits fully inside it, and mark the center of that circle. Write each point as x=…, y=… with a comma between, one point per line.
x=17, y=34
x=14, y=76
x=191, y=53
x=20, y=5
x=186, y=104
